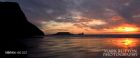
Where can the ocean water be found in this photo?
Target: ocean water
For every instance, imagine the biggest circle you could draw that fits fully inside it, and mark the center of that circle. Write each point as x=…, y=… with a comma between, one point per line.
x=82, y=47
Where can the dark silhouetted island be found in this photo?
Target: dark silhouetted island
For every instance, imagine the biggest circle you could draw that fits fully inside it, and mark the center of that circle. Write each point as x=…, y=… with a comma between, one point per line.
x=14, y=23
x=63, y=33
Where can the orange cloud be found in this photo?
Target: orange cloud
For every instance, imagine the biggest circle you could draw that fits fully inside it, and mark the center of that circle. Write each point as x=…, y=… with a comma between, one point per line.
x=116, y=18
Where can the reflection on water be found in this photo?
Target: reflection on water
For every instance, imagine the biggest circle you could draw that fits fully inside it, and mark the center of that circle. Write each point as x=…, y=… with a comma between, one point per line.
x=126, y=42
x=80, y=47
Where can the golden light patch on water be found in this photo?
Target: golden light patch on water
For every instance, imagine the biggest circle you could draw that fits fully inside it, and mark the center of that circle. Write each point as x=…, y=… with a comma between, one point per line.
x=125, y=42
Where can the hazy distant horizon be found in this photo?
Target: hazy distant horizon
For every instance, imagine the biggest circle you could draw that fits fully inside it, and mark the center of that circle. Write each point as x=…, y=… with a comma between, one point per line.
x=99, y=33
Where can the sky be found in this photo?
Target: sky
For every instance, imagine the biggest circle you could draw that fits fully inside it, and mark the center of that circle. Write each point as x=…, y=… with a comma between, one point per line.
x=83, y=16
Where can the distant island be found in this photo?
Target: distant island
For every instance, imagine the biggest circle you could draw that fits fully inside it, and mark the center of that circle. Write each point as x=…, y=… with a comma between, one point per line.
x=66, y=33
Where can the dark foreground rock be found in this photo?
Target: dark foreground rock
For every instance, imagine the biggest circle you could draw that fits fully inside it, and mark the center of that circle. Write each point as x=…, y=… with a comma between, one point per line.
x=14, y=28
x=14, y=22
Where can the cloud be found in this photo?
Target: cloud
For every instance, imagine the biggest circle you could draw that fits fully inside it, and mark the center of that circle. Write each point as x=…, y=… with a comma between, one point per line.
x=84, y=14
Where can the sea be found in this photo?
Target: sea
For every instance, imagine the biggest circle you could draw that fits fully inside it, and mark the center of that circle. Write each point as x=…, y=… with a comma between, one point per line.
x=77, y=47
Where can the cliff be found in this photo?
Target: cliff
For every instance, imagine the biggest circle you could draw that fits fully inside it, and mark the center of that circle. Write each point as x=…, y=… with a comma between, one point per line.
x=14, y=23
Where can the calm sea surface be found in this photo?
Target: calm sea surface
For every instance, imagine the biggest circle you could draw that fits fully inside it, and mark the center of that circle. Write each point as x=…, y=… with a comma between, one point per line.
x=83, y=47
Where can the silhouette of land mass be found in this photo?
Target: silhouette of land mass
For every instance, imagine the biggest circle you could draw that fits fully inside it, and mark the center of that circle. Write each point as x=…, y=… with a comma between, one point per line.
x=63, y=33
x=95, y=35
x=14, y=22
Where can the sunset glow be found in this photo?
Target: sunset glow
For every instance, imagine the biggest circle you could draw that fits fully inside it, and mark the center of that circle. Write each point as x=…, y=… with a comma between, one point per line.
x=127, y=29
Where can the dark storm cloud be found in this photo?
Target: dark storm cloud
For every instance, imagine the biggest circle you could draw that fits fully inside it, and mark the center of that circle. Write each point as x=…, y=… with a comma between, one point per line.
x=47, y=10
x=128, y=11
x=134, y=9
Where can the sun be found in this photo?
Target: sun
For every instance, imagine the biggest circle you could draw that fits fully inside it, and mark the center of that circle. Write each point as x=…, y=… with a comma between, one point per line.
x=127, y=29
